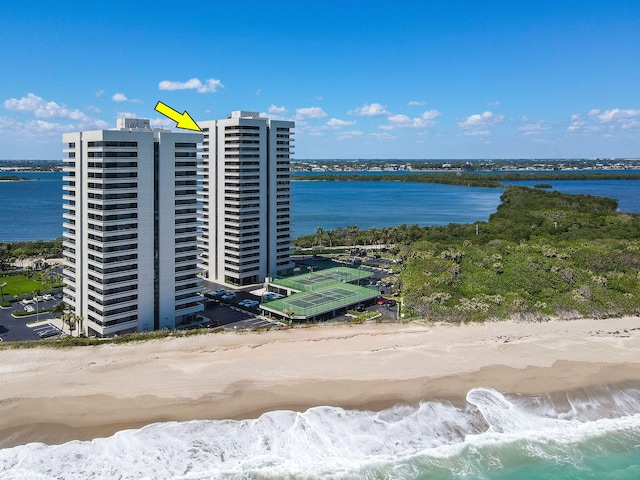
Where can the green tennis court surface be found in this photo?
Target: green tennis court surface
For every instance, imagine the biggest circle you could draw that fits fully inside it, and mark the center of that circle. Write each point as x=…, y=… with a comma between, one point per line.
x=321, y=292
x=323, y=278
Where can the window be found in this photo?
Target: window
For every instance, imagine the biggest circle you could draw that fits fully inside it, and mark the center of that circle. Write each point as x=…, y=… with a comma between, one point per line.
x=112, y=144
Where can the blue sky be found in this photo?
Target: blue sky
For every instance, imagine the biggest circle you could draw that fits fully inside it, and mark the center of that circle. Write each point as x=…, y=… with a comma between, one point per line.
x=362, y=79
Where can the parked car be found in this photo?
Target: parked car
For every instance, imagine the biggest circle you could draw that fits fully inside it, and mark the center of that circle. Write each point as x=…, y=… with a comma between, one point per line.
x=391, y=303
x=249, y=303
x=360, y=307
x=228, y=296
x=29, y=309
x=52, y=332
x=382, y=301
x=46, y=297
x=272, y=296
x=219, y=293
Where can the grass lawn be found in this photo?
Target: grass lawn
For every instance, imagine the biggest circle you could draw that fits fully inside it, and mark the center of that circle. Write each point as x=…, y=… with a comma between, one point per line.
x=19, y=284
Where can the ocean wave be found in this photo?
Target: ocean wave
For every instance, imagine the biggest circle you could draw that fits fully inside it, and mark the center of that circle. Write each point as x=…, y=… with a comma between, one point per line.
x=491, y=431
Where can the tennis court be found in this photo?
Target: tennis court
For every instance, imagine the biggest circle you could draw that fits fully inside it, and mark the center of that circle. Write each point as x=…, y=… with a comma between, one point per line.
x=321, y=279
x=321, y=292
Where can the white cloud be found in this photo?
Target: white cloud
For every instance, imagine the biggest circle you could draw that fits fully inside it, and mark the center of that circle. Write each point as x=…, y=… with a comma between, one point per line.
x=274, y=110
x=494, y=104
x=99, y=93
x=416, y=103
x=576, y=124
x=533, y=128
x=92, y=109
x=337, y=123
x=94, y=124
x=51, y=120
x=430, y=115
x=480, y=123
x=350, y=134
x=624, y=119
x=309, y=112
x=42, y=109
x=209, y=86
x=370, y=110
x=383, y=136
x=119, y=97
x=426, y=120
x=477, y=133
x=43, y=127
x=163, y=122
x=605, y=122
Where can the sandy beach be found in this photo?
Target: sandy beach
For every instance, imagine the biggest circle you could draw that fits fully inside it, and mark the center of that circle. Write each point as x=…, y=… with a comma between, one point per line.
x=56, y=395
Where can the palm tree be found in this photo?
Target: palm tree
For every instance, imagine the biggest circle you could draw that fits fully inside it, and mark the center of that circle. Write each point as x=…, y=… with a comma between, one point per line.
x=2, y=285
x=80, y=323
x=319, y=232
x=58, y=309
x=71, y=321
x=352, y=231
x=330, y=237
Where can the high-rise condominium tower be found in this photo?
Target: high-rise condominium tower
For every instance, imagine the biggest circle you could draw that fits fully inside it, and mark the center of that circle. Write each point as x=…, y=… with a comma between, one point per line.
x=130, y=228
x=246, y=218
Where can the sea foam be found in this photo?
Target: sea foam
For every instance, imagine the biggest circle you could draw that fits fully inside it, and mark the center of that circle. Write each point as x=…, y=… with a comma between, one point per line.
x=491, y=431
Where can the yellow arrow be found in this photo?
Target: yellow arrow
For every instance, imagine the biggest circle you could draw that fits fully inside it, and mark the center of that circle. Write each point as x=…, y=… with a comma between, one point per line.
x=184, y=119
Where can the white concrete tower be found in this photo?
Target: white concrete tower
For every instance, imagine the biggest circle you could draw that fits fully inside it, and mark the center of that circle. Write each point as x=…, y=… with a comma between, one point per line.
x=245, y=192
x=130, y=228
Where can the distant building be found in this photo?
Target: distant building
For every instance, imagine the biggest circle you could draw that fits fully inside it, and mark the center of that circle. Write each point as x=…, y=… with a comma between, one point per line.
x=130, y=228
x=246, y=198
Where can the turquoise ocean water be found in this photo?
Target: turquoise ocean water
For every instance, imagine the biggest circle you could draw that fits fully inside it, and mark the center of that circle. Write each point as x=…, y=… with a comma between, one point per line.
x=590, y=434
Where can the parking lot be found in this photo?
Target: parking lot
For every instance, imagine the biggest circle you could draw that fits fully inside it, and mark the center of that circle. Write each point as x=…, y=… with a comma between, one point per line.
x=13, y=329
x=227, y=314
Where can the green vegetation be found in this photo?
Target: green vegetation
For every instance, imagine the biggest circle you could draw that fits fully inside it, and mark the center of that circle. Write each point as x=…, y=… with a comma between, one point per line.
x=19, y=252
x=36, y=281
x=20, y=284
x=541, y=254
x=121, y=339
x=22, y=313
x=464, y=179
x=488, y=180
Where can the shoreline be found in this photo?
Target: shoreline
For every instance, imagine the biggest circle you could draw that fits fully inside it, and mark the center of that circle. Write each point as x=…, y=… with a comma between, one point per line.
x=54, y=395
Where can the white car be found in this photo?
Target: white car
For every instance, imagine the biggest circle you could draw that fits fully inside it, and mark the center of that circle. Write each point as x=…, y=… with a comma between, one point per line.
x=29, y=309
x=47, y=297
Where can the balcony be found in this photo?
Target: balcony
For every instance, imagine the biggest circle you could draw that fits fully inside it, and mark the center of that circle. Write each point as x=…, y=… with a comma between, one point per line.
x=112, y=329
